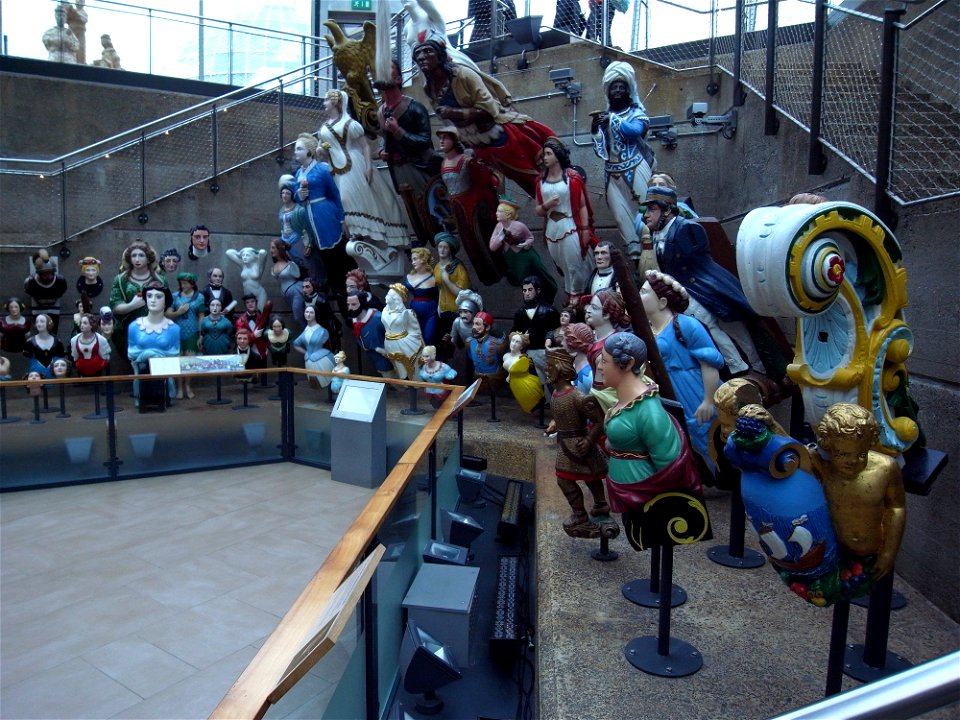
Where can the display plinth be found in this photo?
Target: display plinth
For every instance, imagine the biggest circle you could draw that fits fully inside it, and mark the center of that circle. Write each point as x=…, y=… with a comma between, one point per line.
x=358, y=434
x=441, y=601
x=646, y=593
x=681, y=659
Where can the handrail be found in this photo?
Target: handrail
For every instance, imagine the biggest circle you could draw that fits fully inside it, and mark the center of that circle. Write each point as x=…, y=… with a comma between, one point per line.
x=906, y=694
x=250, y=695
x=923, y=15
x=321, y=64
x=204, y=19
x=222, y=373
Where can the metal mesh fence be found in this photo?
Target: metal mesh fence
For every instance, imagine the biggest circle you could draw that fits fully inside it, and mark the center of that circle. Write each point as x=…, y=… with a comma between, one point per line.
x=926, y=144
x=104, y=187
x=178, y=157
x=794, y=64
x=30, y=208
x=851, y=87
x=486, y=23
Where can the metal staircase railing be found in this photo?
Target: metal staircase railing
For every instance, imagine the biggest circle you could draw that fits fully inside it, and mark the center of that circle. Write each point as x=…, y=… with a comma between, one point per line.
x=124, y=173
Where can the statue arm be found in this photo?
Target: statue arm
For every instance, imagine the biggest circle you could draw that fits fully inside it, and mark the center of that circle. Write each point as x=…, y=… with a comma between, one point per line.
x=593, y=412
x=434, y=18
x=332, y=193
x=894, y=519
x=658, y=433
x=635, y=127
x=691, y=239
x=104, y=347
x=711, y=381
x=476, y=102
x=119, y=304
x=234, y=256
x=416, y=129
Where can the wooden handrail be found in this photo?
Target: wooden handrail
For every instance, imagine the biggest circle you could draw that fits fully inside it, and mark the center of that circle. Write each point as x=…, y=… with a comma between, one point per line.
x=224, y=373
x=249, y=697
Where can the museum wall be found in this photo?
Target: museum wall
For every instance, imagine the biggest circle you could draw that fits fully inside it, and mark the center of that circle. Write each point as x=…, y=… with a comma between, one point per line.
x=725, y=177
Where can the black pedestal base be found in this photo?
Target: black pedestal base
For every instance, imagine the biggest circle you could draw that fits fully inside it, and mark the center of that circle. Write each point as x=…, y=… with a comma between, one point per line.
x=682, y=658
x=897, y=602
x=720, y=554
x=639, y=593
x=604, y=553
x=856, y=667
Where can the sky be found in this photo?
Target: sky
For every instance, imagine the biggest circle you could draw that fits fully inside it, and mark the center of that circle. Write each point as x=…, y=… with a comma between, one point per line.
x=24, y=22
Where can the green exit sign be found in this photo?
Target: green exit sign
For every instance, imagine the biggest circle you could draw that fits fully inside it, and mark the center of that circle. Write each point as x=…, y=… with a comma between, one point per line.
x=361, y=4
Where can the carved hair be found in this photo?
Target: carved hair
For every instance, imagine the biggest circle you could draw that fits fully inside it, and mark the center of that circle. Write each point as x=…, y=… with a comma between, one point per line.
x=806, y=199
x=94, y=320
x=401, y=290
x=847, y=421
x=613, y=308
x=509, y=209
x=664, y=178
x=758, y=412
x=563, y=361
x=667, y=288
x=282, y=251
x=359, y=276
x=624, y=347
x=423, y=254
x=309, y=142
x=561, y=153
x=151, y=254
x=524, y=339
x=579, y=337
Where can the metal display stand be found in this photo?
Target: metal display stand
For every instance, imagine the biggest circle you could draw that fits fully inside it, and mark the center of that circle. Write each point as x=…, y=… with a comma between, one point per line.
x=647, y=592
x=662, y=655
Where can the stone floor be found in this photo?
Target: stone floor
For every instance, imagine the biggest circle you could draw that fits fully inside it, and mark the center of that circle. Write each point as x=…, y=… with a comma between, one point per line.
x=147, y=598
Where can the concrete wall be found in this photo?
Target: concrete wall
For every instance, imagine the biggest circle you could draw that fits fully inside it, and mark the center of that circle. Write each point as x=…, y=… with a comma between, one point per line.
x=726, y=179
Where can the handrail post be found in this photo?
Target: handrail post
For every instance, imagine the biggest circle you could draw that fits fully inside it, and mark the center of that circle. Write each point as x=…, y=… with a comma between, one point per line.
x=770, y=122
x=150, y=40
x=713, y=87
x=494, y=12
x=432, y=480
x=230, y=50
x=280, y=111
x=739, y=96
x=63, y=202
x=113, y=462
x=882, y=206
x=817, y=160
x=214, y=185
x=200, y=48
x=143, y=170
x=370, y=646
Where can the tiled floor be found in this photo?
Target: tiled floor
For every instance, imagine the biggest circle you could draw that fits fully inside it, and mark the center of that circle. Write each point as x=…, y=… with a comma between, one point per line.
x=146, y=598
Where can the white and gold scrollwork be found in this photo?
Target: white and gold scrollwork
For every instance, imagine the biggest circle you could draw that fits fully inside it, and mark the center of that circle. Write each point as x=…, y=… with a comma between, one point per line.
x=836, y=268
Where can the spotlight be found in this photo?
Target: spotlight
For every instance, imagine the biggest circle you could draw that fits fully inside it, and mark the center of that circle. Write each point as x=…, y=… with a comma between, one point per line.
x=726, y=124
x=427, y=665
x=562, y=79
x=444, y=554
x=459, y=529
x=469, y=485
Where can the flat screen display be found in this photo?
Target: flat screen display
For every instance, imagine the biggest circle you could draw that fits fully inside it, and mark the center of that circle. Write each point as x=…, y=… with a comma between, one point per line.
x=358, y=400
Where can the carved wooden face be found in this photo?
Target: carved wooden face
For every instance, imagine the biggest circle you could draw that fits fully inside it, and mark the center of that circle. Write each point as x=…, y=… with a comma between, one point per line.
x=200, y=239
